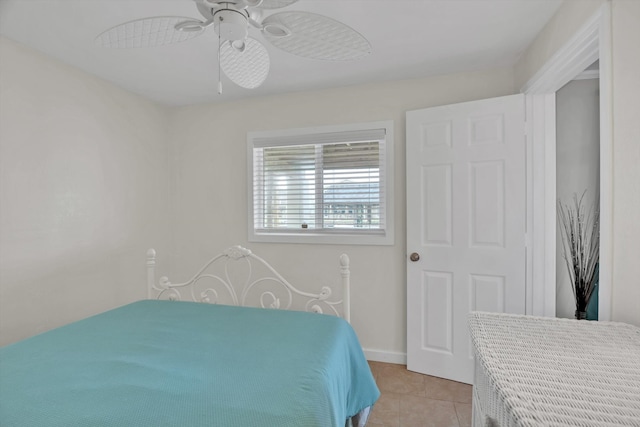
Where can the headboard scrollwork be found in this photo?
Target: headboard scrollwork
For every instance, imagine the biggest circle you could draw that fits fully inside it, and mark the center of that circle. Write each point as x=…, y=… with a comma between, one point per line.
x=257, y=283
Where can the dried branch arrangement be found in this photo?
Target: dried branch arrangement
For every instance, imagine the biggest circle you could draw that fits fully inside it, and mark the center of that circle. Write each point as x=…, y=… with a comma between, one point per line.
x=580, y=232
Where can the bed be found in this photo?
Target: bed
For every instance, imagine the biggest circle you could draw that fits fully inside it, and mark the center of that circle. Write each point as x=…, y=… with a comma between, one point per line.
x=206, y=360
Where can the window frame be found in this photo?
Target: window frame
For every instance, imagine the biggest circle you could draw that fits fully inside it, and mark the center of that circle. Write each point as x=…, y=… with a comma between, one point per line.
x=326, y=236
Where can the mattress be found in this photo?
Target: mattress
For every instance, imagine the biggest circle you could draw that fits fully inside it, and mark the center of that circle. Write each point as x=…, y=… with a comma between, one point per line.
x=169, y=363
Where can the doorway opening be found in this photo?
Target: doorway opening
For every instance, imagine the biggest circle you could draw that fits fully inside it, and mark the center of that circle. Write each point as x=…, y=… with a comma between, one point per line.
x=590, y=44
x=577, y=176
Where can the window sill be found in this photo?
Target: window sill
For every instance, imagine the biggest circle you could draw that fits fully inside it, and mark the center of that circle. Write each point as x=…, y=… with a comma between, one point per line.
x=377, y=239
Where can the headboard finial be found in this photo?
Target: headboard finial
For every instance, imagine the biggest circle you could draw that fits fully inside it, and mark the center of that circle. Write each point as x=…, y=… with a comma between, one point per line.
x=346, y=287
x=344, y=261
x=151, y=266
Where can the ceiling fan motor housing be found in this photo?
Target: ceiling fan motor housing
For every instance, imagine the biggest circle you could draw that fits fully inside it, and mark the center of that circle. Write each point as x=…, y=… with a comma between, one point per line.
x=230, y=24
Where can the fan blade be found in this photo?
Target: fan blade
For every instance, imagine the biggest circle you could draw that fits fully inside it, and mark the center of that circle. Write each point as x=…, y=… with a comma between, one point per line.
x=147, y=32
x=276, y=4
x=314, y=36
x=246, y=63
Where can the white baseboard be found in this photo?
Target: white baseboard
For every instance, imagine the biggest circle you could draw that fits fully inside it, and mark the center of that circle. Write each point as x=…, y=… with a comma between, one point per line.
x=386, y=356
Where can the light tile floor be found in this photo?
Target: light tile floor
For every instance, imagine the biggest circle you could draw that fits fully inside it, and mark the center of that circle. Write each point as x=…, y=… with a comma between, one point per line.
x=409, y=399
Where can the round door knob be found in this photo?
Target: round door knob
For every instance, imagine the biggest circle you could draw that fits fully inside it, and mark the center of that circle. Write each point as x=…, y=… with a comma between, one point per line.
x=414, y=257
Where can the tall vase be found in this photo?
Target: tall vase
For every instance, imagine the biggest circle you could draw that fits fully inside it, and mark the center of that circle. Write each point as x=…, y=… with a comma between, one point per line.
x=581, y=315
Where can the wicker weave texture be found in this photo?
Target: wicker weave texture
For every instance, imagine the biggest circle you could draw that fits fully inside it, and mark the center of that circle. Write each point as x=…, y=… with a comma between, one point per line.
x=535, y=371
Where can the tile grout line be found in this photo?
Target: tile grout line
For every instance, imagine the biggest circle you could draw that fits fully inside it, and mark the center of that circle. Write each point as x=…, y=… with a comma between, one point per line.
x=382, y=374
x=456, y=412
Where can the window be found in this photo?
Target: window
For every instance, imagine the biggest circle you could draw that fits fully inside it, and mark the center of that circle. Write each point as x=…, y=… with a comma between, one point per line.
x=322, y=185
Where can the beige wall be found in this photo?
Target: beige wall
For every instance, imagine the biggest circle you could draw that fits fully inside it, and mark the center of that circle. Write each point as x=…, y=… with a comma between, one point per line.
x=625, y=24
x=571, y=15
x=626, y=160
x=85, y=171
x=83, y=187
x=209, y=196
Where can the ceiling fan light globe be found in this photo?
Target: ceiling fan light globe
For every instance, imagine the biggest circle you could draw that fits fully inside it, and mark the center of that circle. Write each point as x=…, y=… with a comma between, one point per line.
x=276, y=4
x=189, y=26
x=238, y=45
x=211, y=3
x=276, y=30
x=243, y=4
x=256, y=16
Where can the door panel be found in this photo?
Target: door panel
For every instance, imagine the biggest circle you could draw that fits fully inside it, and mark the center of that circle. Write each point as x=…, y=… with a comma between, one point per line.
x=466, y=219
x=438, y=214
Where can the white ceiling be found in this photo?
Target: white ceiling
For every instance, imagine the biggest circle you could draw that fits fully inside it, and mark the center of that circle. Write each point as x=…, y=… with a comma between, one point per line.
x=409, y=38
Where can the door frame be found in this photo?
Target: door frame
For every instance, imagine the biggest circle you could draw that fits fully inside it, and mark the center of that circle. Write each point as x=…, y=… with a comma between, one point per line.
x=590, y=43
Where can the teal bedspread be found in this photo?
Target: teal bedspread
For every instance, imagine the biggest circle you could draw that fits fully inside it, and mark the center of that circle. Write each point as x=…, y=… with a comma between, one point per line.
x=167, y=363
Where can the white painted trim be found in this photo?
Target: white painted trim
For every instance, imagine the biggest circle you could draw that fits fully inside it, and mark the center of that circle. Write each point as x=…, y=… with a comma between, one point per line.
x=588, y=75
x=386, y=356
x=550, y=215
x=529, y=186
x=541, y=195
x=573, y=58
x=606, y=166
x=590, y=43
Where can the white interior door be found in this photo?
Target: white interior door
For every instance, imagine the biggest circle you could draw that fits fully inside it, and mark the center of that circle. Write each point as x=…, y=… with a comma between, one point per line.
x=466, y=222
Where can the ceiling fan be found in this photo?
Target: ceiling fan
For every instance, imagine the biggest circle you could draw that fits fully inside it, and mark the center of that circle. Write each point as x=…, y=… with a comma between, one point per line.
x=242, y=58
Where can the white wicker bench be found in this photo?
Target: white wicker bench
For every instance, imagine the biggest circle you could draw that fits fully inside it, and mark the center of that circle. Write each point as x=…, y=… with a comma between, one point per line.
x=534, y=371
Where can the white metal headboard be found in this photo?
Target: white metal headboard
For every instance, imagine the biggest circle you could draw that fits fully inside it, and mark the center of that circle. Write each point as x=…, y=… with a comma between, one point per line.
x=272, y=286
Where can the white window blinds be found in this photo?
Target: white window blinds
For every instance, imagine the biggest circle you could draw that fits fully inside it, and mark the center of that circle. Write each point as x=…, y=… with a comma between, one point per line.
x=327, y=183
